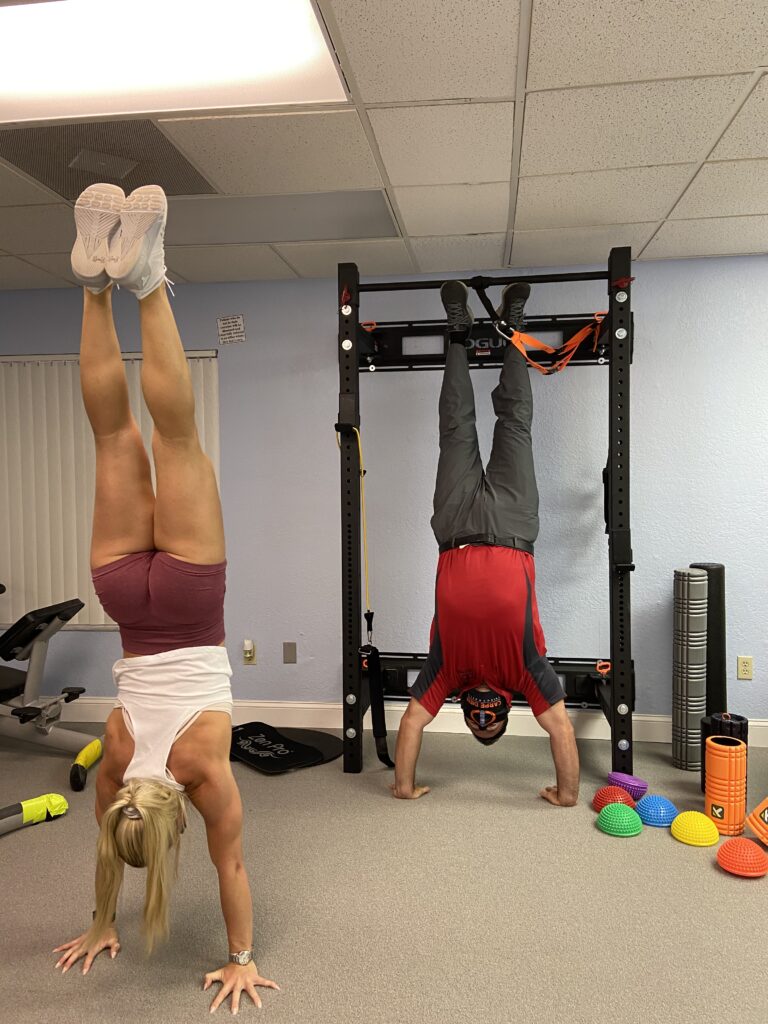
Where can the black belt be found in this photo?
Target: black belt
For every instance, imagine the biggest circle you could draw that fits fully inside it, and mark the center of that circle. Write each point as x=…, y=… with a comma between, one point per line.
x=490, y=540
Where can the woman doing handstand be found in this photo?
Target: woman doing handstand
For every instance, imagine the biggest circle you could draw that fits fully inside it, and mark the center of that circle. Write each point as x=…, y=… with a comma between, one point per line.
x=158, y=565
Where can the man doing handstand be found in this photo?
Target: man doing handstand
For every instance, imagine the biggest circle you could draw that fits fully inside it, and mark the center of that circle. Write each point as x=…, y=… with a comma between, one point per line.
x=486, y=640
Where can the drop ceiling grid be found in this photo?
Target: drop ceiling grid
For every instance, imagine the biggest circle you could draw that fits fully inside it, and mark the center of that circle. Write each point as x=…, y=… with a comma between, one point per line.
x=654, y=191
x=677, y=183
x=356, y=96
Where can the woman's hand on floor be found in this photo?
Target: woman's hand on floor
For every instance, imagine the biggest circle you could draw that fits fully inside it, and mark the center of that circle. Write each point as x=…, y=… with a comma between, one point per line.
x=77, y=948
x=237, y=979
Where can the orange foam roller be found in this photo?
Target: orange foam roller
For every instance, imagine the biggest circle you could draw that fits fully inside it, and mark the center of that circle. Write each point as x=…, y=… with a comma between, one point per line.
x=725, y=795
x=758, y=821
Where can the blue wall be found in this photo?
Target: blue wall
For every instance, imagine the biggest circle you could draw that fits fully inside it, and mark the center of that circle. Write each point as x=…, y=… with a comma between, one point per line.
x=699, y=463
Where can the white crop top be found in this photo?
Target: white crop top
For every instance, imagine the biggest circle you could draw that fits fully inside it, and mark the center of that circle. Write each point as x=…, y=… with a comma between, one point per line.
x=161, y=696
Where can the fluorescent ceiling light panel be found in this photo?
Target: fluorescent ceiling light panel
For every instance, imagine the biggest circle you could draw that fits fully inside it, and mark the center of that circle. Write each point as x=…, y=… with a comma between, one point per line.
x=94, y=58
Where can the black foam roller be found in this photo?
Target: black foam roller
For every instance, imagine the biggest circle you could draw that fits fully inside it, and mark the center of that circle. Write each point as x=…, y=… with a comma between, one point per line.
x=721, y=725
x=717, y=682
x=732, y=725
x=707, y=730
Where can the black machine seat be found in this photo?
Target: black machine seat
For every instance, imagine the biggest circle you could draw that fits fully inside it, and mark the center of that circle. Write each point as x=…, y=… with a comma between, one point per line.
x=12, y=683
x=21, y=634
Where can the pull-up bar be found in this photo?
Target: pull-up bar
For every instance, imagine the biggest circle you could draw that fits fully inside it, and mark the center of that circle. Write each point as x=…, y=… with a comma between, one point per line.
x=487, y=282
x=370, y=346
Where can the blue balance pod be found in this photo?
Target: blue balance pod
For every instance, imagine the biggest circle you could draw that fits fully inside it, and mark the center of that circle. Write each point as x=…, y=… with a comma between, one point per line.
x=656, y=811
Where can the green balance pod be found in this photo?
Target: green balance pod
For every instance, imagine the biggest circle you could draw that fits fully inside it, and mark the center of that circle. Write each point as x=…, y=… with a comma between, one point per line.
x=619, y=820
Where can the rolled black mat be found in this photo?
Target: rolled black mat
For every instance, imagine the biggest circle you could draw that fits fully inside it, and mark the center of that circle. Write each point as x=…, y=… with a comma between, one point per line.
x=722, y=724
x=262, y=747
x=717, y=681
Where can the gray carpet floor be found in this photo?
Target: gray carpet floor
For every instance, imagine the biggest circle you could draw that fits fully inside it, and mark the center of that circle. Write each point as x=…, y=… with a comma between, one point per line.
x=478, y=904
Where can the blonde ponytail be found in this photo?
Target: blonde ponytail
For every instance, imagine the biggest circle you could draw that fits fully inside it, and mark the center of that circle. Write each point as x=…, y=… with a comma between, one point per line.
x=141, y=828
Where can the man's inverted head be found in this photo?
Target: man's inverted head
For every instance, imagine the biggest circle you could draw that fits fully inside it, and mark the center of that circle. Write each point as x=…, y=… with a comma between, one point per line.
x=486, y=714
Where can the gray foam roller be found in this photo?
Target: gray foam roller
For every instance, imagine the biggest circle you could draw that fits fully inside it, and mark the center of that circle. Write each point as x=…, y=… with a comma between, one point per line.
x=689, y=674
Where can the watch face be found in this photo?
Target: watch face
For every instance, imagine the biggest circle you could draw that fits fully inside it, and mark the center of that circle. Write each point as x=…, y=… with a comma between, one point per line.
x=243, y=958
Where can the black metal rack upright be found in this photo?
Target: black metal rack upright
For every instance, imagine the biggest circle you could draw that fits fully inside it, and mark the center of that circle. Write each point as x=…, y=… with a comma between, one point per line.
x=382, y=347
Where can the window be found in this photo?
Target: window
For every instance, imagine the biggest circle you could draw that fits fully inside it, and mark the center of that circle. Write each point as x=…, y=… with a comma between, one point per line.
x=47, y=474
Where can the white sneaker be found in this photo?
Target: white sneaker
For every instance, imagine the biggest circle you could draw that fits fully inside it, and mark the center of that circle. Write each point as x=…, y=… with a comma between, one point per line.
x=136, y=254
x=97, y=218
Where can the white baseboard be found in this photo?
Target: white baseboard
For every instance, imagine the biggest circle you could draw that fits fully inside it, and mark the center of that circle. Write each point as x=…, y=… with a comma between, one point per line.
x=589, y=725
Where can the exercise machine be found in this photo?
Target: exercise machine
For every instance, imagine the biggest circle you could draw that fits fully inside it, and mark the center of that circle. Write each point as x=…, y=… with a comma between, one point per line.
x=24, y=714
x=370, y=676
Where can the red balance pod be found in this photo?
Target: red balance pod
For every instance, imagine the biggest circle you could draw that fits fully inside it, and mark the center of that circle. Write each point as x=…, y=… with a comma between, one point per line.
x=611, y=795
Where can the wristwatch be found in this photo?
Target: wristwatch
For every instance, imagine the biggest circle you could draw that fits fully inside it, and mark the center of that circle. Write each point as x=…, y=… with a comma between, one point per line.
x=242, y=958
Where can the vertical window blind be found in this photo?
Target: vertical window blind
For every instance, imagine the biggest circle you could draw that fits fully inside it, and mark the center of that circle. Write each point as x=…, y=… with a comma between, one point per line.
x=47, y=476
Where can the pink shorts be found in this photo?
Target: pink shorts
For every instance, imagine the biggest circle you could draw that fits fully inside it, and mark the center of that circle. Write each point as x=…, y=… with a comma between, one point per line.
x=161, y=603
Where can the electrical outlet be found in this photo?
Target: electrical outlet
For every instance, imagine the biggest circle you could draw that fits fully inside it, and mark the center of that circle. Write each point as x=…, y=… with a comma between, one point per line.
x=289, y=653
x=743, y=667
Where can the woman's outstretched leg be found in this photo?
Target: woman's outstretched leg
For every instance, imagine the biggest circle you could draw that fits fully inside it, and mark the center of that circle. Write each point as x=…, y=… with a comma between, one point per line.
x=188, y=521
x=123, y=517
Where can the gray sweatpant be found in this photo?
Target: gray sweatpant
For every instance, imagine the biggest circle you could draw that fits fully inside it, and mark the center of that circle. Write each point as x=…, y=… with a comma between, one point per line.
x=503, y=499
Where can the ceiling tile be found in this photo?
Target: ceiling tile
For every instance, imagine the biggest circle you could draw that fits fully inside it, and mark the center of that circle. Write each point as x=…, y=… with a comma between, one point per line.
x=226, y=263
x=321, y=259
x=727, y=189
x=594, y=41
x=599, y=197
x=576, y=246
x=454, y=209
x=452, y=252
x=18, y=191
x=441, y=145
x=748, y=135
x=635, y=125
x=36, y=229
x=433, y=49
x=715, y=236
x=56, y=263
x=237, y=220
x=277, y=154
x=18, y=274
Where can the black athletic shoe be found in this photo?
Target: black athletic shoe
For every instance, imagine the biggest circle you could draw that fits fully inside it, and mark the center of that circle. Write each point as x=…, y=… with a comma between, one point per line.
x=513, y=300
x=455, y=296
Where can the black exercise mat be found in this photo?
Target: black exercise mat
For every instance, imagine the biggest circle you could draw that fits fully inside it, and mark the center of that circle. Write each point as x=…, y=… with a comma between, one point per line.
x=262, y=747
x=330, y=746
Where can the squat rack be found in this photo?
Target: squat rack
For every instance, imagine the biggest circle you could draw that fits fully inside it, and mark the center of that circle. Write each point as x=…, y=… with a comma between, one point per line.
x=588, y=682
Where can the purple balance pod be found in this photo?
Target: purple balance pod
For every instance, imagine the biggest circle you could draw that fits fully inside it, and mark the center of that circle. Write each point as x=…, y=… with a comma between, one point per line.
x=634, y=786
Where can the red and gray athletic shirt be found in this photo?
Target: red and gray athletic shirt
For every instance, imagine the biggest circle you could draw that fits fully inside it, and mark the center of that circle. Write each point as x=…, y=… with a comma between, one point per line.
x=486, y=629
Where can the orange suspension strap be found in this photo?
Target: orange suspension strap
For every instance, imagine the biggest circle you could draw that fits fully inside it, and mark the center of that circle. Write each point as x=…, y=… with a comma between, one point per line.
x=566, y=351
x=524, y=341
